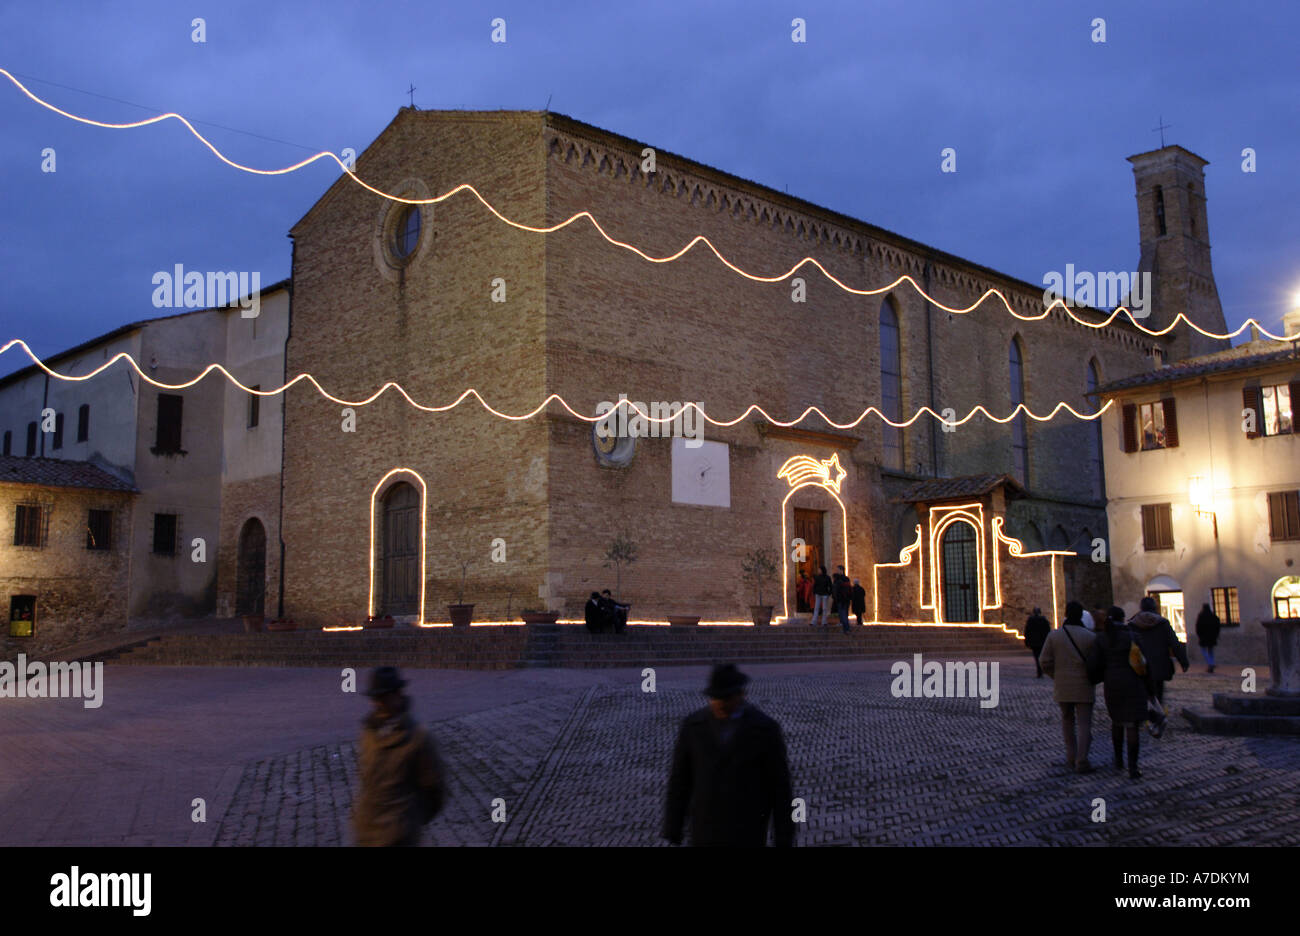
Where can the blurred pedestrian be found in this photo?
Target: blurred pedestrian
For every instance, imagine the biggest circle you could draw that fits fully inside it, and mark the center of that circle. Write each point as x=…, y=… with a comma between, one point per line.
x=821, y=597
x=859, y=600
x=1207, y=634
x=1037, y=628
x=401, y=776
x=730, y=778
x=1125, y=690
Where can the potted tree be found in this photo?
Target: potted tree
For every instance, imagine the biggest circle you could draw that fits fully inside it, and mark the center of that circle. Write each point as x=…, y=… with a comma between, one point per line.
x=759, y=567
x=620, y=552
x=539, y=616
x=461, y=613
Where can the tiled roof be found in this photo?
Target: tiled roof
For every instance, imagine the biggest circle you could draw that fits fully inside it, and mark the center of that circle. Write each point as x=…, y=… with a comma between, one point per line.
x=55, y=472
x=952, y=488
x=1242, y=357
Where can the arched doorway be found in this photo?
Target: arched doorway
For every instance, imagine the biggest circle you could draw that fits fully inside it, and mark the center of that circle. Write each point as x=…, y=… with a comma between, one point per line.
x=400, y=556
x=1286, y=597
x=1168, y=593
x=250, y=569
x=958, y=560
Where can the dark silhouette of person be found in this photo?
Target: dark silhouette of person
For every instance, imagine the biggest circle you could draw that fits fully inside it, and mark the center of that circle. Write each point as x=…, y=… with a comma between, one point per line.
x=592, y=613
x=859, y=600
x=729, y=775
x=1207, y=634
x=1037, y=628
x=401, y=777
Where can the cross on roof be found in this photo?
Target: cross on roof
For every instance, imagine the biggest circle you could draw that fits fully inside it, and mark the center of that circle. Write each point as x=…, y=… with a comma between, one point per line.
x=1162, y=128
x=411, y=92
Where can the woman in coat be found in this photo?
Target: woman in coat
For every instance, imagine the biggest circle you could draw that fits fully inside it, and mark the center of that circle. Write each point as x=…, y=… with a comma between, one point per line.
x=1207, y=634
x=1065, y=658
x=1125, y=691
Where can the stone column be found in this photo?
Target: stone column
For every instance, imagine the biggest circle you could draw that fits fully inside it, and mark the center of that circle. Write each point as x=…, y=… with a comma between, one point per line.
x=1284, y=656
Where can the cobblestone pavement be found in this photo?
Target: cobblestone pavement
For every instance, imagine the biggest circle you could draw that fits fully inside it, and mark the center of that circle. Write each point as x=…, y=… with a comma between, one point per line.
x=587, y=766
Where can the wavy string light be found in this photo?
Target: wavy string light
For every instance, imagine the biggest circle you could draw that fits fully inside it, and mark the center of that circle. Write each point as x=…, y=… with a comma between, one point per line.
x=668, y=258
x=753, y=408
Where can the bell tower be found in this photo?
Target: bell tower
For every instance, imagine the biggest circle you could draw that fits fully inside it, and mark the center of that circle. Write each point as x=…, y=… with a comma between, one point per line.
x=1175, y=249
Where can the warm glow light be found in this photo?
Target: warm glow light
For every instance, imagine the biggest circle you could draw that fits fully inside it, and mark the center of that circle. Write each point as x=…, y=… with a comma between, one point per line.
x=669, y=258
x=805, y=468
x=471, y=392
x=339, y=628
x=785, y=549
x=904, y=559
x=424, y=496
x=1200, y=495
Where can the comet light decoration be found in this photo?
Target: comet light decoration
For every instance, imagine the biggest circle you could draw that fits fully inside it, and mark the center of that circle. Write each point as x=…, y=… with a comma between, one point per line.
x=668, y=258
x=800, y=472
x=753, y=408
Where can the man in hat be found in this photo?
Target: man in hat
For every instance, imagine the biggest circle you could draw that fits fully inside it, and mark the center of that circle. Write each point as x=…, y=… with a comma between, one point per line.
x=729, y=771
x=401, y=777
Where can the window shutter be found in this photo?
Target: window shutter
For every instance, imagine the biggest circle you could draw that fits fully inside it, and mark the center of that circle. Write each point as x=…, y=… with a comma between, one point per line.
x=1295, y=404
x=1171, y=423
x=1292, y=502
x=1250, y=401
x=1165, y=513
x=1130, y=427
x=1148, y=526
x=1276, y=516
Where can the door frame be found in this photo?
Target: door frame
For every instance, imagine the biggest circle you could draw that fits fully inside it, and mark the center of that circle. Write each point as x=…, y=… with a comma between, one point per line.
x=424, y=504
x=941, y=595
x=239, y=565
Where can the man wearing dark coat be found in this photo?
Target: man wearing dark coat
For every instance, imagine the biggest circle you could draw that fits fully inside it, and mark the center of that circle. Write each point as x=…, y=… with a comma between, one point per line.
x=729, y=775
x=1037, y=628
x=1126, y=691
x=859, y=600
x=1155, y=635
x=1207, y=634
x=594, y=613
x=401, y=777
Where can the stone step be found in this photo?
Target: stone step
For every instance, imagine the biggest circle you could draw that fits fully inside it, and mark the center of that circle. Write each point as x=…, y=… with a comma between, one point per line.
x=1214, y=722
x=1261, y=704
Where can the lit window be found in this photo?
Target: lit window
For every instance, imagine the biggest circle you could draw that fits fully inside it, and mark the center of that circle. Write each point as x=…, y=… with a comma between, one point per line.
x=1225, y=605
x=1152, y=416
x=22, y=615
x=1277, y=410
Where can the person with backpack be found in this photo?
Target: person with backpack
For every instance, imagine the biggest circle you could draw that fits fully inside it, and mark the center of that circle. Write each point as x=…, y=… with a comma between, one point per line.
x=1071, y=659
x=1125, y=688
x=1160, y=645
x=401, y=777
x=1207, y=634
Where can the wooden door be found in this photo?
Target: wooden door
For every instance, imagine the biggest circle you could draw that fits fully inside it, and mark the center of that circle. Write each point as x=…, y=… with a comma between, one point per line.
x=250, y=569
x=810, y=526
x=401, y=545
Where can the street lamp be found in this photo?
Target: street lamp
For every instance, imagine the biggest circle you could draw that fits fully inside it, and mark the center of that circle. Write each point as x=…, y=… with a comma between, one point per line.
x=1201, y=496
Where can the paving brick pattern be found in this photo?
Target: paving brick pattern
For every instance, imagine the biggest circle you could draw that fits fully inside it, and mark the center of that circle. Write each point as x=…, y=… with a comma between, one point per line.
x=588, y=767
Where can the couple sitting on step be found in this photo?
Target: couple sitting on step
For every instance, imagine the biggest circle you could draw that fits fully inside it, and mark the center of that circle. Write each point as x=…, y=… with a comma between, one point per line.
x=604, y=615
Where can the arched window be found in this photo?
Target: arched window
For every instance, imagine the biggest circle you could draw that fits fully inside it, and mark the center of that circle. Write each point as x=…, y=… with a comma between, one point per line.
x=1019, y=434
x=1098, y=469
x=891, y=385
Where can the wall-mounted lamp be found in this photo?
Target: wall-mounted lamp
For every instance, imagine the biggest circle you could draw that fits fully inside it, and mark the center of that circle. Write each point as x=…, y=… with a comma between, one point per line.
x=1201, y=496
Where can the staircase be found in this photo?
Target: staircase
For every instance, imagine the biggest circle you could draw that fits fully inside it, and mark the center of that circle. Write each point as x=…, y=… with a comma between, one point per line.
x=567, y=645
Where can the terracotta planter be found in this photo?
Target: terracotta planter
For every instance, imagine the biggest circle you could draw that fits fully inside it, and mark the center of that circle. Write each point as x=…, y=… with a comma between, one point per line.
x=461, y=614
x=762, y=614
x=683, y=620
x=375, y=623
x=538, y=617
x=279, y=626
x=252, y=623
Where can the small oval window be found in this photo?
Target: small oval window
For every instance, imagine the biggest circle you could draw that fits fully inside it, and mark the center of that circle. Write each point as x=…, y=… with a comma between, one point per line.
x=406, y=233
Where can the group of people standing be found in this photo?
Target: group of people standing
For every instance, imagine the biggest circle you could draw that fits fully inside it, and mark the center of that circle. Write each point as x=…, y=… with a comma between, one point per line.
x=827, y=595
x=1133, y=659
x=604, y=615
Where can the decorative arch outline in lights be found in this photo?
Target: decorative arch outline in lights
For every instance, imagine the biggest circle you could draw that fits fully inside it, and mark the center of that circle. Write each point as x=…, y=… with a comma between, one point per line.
x=800, y=472
x=424, y=512
x=947, y=517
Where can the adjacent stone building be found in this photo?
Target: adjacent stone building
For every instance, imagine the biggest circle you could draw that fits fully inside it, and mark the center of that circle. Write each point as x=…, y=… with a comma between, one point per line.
x=387, y=507
x=1203, y=466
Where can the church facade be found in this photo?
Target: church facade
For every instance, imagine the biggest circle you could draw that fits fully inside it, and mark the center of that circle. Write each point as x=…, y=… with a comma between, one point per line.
x=390, y=509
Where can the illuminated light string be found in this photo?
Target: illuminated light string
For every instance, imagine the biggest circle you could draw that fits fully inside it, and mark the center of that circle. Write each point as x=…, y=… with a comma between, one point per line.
x=753, y=408
x=668, y=258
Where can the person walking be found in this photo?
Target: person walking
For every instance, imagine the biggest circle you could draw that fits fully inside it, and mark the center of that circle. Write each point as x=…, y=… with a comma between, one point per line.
x=859, y=600
x=1068, y=654
x=1124, y=690
x=804, y=590
x=1160, y=645
x=401, y=776
x=843, y=593
x=1037, y=628
x=821, y=597
x=730, y=777
x=1207, y=634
